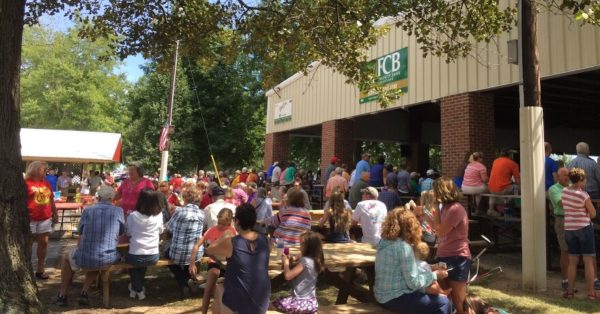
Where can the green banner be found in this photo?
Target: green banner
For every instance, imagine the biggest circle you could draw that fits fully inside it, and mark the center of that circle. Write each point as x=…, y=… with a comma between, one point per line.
x=392, y=71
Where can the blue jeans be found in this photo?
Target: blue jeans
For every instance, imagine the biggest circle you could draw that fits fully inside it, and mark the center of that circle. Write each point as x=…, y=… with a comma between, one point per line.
x=419, y=303
x=137, y=274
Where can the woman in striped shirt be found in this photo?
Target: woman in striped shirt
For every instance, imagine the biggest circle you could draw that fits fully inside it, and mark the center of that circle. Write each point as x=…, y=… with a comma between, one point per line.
x=579, y=232
x=292, y=220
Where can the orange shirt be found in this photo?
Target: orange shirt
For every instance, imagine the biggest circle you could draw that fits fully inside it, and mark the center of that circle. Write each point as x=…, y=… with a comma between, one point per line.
x=503, y=169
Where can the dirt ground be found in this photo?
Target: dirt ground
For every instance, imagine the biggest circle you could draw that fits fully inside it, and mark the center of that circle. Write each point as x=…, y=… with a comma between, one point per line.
x=163, y=295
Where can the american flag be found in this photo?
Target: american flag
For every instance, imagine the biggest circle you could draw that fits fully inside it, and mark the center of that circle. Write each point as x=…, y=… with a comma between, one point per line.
x=164, y=137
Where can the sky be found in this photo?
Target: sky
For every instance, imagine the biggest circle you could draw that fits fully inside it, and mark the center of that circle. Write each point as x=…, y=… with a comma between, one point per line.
x=131, y=65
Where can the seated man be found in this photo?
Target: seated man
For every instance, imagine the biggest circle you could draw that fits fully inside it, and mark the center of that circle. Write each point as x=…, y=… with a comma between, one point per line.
x=370, y=214
x=100, y=227
x=503, y=171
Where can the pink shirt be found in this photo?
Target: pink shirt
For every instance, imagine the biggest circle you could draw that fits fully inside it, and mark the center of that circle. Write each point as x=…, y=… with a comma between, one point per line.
x=240, y=195
x=456, y=242
x=336, y=181
x=576, y=215
x=475, y=174
x=130, y=193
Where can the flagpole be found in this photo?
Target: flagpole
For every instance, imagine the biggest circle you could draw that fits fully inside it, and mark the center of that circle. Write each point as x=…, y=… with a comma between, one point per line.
x=164, y=162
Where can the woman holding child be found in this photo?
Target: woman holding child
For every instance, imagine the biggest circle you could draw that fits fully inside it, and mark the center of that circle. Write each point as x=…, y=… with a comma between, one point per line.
x=399, y=284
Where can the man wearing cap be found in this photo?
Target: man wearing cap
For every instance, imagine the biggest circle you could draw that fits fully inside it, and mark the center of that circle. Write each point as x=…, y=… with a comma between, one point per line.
x=370, y=214
x=427, y=184
x=334, y=164
x=100, y=226
x=212, y=211
x=362, y=165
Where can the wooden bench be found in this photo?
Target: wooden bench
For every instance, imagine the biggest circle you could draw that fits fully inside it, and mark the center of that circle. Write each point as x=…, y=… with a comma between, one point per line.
x=349, y=308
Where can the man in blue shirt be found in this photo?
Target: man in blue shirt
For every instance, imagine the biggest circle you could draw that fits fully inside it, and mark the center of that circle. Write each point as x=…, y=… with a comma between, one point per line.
x=591, y=168
x=99, y=227
x=362, y=166
x=51, y=178
x=551, y=166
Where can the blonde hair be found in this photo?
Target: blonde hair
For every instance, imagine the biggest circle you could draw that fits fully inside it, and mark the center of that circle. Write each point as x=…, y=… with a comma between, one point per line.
x=427, y=199
x=476, y=156
x=33, y=168
x=190, y=194
x=340, y=215
x=226, y=214
x=445, y=191
x=401, y=223
x=576, y=175
x=421, y=251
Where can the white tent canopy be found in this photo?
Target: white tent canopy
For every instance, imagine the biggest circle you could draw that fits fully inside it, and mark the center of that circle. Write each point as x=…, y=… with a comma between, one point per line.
x=70, y=146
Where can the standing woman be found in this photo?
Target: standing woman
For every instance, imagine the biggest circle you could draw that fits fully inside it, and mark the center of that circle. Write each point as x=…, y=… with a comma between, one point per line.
x=451, y=226
x=144, y=226
x=130, y=189
x=42, y=212
x=579, y=232
x=247, y=285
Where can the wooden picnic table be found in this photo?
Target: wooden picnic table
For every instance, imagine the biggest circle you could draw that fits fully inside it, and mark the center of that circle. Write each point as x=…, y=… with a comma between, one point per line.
x=341, y=263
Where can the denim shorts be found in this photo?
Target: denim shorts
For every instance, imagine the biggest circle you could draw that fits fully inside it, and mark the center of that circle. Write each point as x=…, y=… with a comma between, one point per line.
x=581, y=241
x=461, y=266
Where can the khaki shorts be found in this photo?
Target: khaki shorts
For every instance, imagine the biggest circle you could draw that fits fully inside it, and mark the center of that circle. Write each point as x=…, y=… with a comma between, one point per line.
x=559, y=228
x=74, y=267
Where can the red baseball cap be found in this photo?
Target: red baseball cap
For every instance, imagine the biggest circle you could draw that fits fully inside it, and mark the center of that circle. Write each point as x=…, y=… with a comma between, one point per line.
x=334, y=159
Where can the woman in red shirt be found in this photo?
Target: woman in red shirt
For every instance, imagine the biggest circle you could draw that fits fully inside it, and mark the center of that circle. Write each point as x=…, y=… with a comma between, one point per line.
x=42, y=211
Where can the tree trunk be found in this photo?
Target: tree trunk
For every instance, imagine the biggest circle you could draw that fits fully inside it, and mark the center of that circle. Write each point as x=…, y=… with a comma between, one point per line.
x=18, y=291
x=531, y=66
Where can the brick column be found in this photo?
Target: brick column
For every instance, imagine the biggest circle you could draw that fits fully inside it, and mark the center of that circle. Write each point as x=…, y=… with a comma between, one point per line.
x=337, y=140
x=276, y=148
x=467, y=125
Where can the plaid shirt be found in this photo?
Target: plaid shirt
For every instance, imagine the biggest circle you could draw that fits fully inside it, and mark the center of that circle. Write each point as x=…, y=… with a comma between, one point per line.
x=186, y=227
x=397, y=271
x=391, y=199
x=100, y=226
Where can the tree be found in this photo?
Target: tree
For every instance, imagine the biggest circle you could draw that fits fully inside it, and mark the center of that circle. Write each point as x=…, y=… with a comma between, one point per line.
x=68, y=83
x=227, y=98
x=18, y=292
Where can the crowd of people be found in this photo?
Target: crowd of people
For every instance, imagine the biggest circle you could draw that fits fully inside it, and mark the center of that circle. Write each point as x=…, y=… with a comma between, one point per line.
x=185, y=218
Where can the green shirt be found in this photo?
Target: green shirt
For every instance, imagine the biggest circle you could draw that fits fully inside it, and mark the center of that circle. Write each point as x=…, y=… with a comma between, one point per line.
x=555, y=193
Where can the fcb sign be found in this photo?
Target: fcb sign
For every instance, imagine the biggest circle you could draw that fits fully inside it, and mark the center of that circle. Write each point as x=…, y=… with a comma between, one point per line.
x=392, y=72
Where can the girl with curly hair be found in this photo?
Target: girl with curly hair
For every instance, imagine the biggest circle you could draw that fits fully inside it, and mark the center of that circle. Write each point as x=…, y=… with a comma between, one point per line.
x=398, y=281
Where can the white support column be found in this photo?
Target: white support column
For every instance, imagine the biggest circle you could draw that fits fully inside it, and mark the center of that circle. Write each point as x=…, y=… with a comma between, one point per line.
x=533, y=202
x=164, y=162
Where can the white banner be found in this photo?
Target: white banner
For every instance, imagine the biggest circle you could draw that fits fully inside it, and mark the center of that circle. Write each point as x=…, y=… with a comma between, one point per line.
x=283, y=111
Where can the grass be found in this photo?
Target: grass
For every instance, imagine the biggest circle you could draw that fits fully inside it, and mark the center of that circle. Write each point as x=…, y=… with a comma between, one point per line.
x=527, y=303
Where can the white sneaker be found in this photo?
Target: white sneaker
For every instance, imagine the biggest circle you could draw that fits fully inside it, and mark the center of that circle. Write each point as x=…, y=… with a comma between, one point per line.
x=493, y=213
x=132, y=293
x=142, y=294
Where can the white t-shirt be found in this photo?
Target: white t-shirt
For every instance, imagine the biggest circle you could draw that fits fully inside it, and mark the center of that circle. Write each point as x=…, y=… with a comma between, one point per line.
x=370, y=215
x=211, y=211
x=276, y=174
x=145, y=233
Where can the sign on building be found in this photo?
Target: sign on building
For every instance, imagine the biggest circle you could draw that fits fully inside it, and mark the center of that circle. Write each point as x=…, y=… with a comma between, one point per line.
x=283, y=111
x=392, y=72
